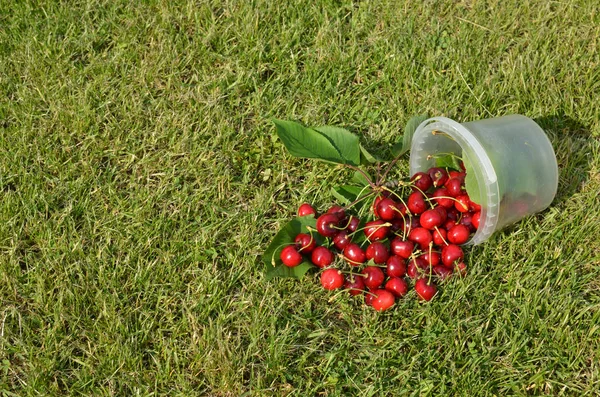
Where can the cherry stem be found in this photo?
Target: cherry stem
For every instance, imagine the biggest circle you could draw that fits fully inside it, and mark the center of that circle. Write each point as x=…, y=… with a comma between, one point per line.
x=359, y=199
x=363, y=174
x=277, y=249
x=387, y=224
x=425, y=196
x=440, y=234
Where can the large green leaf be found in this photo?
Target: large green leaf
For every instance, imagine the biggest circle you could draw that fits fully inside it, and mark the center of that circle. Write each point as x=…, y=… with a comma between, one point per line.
x=286, y=236
x=403, y=145
x=330, y=144
x=345, y=142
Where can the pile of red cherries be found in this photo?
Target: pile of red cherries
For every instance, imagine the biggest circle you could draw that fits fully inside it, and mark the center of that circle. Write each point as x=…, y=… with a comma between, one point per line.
x=415, y=239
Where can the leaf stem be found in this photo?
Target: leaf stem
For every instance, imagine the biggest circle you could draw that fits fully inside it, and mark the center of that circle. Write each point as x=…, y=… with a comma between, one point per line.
x=363, y=174
x=389, y=167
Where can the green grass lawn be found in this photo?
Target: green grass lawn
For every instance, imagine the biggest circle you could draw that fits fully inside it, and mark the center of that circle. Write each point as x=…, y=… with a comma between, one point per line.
x=140, y=181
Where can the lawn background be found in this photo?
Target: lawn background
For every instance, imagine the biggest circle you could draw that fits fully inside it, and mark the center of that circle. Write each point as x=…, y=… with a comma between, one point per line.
x=140, y=180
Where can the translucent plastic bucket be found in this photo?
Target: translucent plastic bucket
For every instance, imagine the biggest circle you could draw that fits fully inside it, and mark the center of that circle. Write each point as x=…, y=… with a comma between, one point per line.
x=511, y=156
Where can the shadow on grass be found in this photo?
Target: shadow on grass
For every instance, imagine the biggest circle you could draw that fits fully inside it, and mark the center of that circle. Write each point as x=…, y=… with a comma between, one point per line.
x=572, y=145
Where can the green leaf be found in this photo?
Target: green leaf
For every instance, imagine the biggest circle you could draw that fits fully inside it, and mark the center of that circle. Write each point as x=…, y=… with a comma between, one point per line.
x=471, y=184
x=448, y=161
x=360, y=179
x=403, y=145
x=286, y=236
x=345, y=142
x=289, y=272
x=331, y=144
x=367, y=158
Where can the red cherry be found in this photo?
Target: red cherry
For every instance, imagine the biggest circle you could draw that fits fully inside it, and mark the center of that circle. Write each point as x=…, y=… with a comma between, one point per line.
x=459, y=234
x=383, y=300
x=474, y=207
x=442, y=272
x=327, y=225
x=439, y=176
x=449, y=224
x=439, y=237
x=420, y=236
x=290, y=256
x=442, y=197
x=397, y=286
x=387, y=209
x=402, y=248
x=376, y=230
x=396, y=225
x=454, y=187
x=354, y=255
x=430, y=219
x=412, y=270
x=458, y=175
x=443, y=213
x=410, y=224
x=377, y=252
x=401, y=210
x=336, y=209
x=376, y=204
x=450, y=254
x=475, y=219
x=341, y=240
x=306, y=209
x=352, y=224
x=374, y=277
x=416, y=203
x=395, y=266
x=425, y=289
x=355, y=285
x=419, y=262
x=462, y=203
x=432, y=258
x=305, y=243
x=332, y=279
x=467, y=220
x=422, y=181
x=322, y=257
x=453, y=214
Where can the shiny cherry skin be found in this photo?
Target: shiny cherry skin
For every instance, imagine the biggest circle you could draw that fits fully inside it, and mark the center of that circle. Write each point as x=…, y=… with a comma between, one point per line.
x=305, y=243
x=322, y=257
x=354, y=255
x=290, y=256
x=306, y=209
x=450, y=254
x=397, y=286
x=376, y=230
x=383, y=300
x=373, y=277
x=395, y=266
x=425, y=289
x=378, y=252
x=332, y=279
